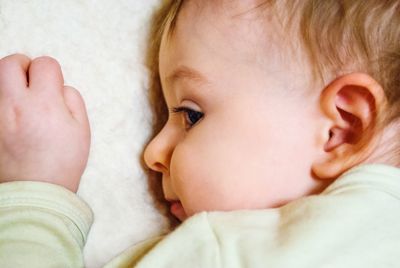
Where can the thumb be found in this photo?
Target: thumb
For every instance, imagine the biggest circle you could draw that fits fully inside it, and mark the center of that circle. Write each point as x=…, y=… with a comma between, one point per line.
x=76, y=105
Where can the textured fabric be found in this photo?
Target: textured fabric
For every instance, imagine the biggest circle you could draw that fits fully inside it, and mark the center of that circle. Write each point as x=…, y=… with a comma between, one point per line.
x=41, y=225
x=353, y=223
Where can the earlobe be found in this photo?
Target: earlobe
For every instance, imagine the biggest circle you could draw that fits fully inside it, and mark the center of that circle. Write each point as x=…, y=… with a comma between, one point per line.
x=350, y=106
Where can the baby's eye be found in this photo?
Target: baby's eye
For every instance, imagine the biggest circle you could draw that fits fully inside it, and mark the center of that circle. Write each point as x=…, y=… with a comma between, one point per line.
x=191, y=116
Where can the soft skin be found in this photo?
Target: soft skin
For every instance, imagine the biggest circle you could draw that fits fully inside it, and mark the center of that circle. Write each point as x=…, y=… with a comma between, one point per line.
x=255, y=145
x=44, y=128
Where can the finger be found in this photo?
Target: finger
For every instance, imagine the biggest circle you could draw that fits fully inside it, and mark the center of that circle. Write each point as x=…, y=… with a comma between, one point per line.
x=45, y=76
x=13, y=75
x=76, y=105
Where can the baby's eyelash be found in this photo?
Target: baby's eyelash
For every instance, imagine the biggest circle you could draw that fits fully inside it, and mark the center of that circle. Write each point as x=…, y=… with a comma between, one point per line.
x=190, y=115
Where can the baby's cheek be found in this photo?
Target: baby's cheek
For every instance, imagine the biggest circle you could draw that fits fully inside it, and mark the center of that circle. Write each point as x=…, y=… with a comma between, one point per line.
x=184, y=170
x=190, y=177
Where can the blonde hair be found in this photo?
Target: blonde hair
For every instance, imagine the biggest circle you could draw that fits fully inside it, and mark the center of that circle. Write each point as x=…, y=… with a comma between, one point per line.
x=161, y=19
x=356, y=36
x=338, y=36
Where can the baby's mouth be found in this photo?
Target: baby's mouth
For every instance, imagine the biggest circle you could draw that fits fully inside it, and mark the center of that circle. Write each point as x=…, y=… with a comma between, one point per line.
x=177, y=210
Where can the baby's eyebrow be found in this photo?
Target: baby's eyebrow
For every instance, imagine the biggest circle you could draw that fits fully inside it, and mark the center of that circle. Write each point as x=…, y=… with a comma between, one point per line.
x=185, y=72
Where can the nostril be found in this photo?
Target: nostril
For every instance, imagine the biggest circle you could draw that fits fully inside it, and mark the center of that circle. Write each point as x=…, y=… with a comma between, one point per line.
x=158, y=167
x=157, y=152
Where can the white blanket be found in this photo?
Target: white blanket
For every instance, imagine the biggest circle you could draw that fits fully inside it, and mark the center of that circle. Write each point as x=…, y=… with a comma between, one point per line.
x=100, y=45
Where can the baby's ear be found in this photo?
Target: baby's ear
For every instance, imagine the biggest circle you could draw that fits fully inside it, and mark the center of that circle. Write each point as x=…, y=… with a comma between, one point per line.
x=350, y=105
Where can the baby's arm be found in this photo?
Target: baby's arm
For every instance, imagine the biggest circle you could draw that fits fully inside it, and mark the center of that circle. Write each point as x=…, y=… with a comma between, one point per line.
x=44, y=144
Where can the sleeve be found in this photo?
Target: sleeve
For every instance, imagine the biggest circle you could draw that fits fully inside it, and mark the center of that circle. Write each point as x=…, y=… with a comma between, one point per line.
x=42, y=225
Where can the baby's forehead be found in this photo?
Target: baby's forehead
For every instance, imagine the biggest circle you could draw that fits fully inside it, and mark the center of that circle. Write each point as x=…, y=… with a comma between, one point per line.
x=244, y=26
x=228, y=9
x=246, y=22
x=222, y=44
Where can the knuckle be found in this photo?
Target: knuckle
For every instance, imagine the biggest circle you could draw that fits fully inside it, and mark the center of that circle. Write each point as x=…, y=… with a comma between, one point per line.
x=11, y=61
x=73, y=92
x=70, y=88
x=13, y=57
x=45, y=62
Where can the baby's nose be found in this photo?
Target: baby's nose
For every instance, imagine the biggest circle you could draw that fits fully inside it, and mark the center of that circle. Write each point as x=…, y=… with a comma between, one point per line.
x=156, y=154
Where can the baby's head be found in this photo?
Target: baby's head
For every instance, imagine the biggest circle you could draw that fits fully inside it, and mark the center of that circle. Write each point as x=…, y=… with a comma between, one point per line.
x=270, y=101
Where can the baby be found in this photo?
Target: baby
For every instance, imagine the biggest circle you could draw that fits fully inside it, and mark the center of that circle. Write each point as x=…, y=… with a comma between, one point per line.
x=280, y=146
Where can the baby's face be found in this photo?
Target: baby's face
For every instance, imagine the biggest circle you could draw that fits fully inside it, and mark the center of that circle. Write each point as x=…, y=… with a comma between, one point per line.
x=245, y=139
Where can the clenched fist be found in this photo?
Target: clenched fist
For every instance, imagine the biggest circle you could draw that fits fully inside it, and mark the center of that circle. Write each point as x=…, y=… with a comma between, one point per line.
x=44, y=128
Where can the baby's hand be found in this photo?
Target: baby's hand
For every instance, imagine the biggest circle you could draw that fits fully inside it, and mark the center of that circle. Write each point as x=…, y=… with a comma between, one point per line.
x=44, y=128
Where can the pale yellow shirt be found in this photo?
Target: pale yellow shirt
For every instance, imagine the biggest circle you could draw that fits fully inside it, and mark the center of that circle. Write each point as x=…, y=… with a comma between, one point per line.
x=354, y=223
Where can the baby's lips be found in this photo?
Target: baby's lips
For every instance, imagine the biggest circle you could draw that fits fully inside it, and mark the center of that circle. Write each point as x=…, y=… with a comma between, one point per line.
x=177, y=210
